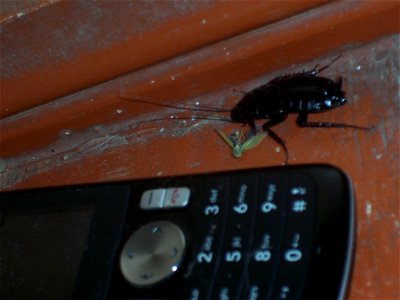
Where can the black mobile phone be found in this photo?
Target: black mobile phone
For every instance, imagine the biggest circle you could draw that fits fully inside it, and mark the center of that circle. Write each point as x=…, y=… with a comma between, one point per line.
x=268, y=233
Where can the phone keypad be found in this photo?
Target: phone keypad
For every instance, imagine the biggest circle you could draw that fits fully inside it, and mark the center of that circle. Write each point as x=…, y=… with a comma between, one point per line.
x=252, y=238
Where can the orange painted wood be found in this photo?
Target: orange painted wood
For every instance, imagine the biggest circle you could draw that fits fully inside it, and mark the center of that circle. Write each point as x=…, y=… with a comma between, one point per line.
x=222, y=66
x=45, y=51
x=91, y=136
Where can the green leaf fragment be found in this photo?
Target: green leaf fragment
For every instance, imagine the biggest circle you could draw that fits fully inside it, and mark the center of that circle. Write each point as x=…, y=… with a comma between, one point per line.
x=236, y=144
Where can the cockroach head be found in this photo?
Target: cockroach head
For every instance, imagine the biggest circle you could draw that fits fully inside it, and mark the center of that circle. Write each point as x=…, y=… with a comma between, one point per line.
x=334, y=96
x=245, y=110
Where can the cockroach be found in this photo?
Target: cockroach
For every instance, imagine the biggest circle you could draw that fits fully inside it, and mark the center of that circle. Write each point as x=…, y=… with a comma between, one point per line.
x=299, y=93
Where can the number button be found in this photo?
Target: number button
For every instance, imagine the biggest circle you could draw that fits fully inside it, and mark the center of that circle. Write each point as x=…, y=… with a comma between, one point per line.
x=204, y=257
x=240, y=208
x=293, y=255
x=233, y=256
x=211, y=210
x=262, y=256
x=267, y=207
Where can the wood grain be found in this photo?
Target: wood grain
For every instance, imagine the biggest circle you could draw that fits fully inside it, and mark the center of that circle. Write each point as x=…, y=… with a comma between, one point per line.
x=64, y=126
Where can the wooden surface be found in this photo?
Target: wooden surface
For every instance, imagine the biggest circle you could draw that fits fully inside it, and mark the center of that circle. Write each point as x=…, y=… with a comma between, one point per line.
x=63, y=124
x=52, y=45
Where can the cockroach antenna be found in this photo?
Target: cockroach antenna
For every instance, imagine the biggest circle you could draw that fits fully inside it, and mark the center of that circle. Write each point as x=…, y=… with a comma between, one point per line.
x=183, y=107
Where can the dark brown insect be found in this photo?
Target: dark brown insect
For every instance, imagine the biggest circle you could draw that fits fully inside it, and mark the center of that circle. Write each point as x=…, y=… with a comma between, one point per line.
x=300, y=93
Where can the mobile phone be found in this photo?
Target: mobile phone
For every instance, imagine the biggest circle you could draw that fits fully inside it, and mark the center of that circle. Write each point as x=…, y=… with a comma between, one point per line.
x=268, y=233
